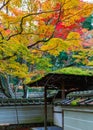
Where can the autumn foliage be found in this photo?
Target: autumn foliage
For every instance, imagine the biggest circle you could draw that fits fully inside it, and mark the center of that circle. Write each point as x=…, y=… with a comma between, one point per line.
x=30, y=29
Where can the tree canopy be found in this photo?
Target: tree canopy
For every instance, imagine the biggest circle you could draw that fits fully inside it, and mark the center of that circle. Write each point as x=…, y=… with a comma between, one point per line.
x=30, y=29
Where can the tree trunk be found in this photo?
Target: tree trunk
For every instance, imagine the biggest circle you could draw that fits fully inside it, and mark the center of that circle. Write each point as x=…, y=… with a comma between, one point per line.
x=25, y=91
x=5, y=86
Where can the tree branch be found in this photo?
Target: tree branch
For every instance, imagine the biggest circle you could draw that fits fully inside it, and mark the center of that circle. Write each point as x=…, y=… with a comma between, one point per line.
x=4, y=4
x=8, y=57
x=22, y=19
x=1, y=36
x=47, y=39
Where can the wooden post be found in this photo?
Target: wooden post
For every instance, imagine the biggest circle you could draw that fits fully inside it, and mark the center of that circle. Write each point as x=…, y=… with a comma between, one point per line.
x=45, y=108
x=63, y=97
x=62, y=119
x=63, y=90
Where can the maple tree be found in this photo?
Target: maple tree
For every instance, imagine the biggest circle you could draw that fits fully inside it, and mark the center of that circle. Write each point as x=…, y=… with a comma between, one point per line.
x=67, y=23
x=28, y=29
x=85, y=55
